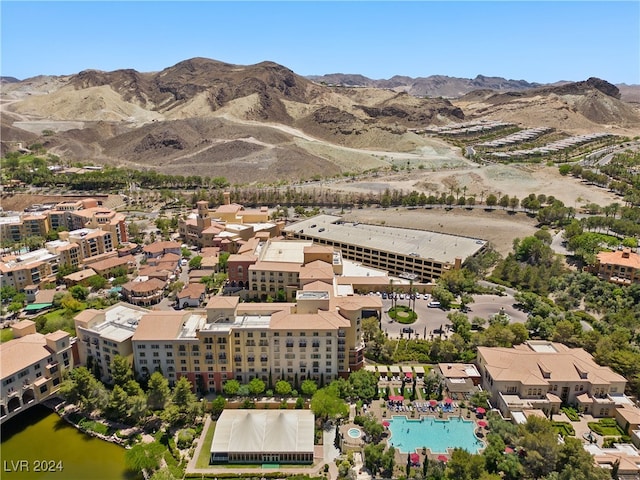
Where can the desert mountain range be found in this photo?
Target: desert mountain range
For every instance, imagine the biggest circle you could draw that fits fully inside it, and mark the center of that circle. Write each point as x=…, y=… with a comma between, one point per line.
x=263, y=122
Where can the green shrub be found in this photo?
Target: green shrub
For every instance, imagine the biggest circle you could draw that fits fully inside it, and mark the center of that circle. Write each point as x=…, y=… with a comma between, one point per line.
x=93, y=426
x=606, y=429
x=185, y=437
x=571, y=413
x=563, y=428
x=403, y=314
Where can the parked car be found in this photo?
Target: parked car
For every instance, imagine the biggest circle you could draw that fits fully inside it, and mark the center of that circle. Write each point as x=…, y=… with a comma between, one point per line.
x=408, y=330
x=433, y=304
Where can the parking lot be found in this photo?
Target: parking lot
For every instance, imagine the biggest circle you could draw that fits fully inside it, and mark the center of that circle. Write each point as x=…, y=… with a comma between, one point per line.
x=431, y=320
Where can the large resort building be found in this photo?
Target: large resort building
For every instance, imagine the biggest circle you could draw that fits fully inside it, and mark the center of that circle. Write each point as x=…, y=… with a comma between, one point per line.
x=90, y=232
x=318, y=336
x=419, y=255
x=32, y=365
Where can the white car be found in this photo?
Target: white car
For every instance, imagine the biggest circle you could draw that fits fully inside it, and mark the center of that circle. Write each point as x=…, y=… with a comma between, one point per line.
x=433, y=304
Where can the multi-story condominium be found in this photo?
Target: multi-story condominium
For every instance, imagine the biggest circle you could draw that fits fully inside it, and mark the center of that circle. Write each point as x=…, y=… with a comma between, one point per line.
x=319, y=337
x=30, y=268
x=102, y=334
x=621, y=266
x=418, y=255
x=32, y=367
x=16, y=228
x=87, y=213
x=69, y=253
x=92, y=242
x=542, y=375
x=283, y=266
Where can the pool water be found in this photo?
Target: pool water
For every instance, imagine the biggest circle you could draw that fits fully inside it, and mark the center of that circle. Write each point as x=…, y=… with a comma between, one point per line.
x=354, y=433
x=437, y=435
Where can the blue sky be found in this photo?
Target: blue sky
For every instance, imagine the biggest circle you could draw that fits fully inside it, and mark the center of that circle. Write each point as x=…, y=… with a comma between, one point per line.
x=542, y=41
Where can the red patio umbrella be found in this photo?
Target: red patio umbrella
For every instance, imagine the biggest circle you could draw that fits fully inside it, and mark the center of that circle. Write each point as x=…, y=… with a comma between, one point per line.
x=448, y=400
x=480, y=410
x=408, y=375
x=508, y=450
x=386, y=423
x=414, y=457
x=443, y=458
x=482, y=424
x=433, y=403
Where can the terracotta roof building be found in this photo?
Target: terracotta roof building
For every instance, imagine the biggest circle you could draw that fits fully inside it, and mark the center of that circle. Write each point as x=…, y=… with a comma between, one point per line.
x=542, y=375
x=32, y=367
x=192, y=295
x=621, y=266
x=144, y=293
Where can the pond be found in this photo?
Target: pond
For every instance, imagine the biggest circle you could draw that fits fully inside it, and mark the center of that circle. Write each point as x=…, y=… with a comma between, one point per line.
x=39, y=440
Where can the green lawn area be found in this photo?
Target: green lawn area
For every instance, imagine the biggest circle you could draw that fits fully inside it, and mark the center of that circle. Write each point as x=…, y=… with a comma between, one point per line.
x=203, y=458
x=564, y=428
x=59, y=319
x=403, y=314
x=606, y=427
x=6, y=334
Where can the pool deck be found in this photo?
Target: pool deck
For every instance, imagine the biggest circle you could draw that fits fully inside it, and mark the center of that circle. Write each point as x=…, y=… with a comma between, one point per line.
x=381, y=412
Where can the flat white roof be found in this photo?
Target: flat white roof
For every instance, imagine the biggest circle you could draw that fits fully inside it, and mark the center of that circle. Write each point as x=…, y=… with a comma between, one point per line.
x=120, y=323
x=268, y=431
x=519, y=417
x=284, y=251
x=355, y=269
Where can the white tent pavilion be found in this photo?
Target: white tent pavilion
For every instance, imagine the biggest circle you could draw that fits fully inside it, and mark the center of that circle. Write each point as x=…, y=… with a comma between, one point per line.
x=263, y=436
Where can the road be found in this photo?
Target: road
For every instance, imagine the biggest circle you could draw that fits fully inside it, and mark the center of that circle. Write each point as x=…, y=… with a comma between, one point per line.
x=558, y=244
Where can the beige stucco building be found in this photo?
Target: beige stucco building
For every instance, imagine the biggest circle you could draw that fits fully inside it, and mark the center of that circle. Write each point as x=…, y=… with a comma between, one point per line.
x=32, y=365
x=102, y=334
x=542, y=375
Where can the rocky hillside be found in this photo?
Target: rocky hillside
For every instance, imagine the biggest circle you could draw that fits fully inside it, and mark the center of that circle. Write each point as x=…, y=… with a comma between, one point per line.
x=577, y=106
x=264, y=122
x=215, y=116
x=431, y=86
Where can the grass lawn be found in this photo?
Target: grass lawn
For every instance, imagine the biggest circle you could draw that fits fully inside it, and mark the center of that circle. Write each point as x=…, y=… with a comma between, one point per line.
x=606, y=429
x=6, y=334
x=205, y=453
x=564, y=428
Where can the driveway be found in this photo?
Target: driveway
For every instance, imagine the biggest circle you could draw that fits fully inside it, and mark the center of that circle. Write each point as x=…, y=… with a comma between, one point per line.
x=430, y=319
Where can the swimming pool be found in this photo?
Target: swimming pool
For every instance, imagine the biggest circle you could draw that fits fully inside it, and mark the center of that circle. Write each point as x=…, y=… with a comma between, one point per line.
x=437, y=435
x=354, y=433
